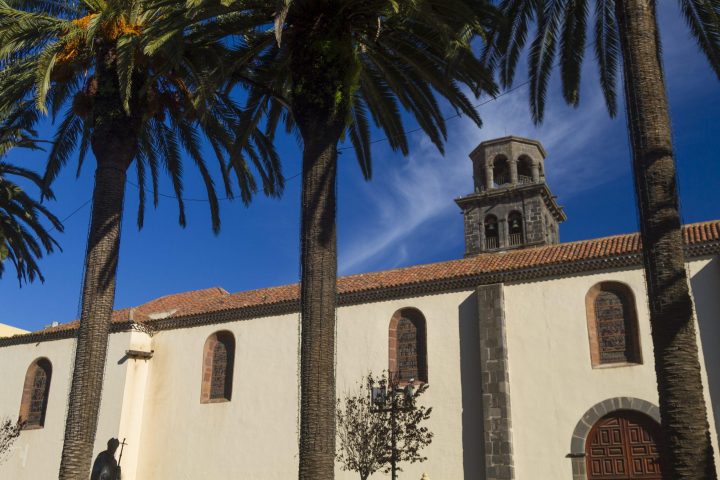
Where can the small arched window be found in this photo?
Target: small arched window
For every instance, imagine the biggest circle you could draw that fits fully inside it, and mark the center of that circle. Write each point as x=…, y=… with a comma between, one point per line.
x=36, y=391
x=524, y=170
x=407, y=346
x=501, y=171
x=612, y=324
x=492, y=234
x=515, y=229
x=218, y=361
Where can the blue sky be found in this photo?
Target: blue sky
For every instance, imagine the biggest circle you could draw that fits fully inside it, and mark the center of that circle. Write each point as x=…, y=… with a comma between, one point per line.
x=404, y=216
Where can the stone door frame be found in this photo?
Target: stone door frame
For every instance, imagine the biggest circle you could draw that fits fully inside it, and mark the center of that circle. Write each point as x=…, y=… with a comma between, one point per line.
x=590, y=418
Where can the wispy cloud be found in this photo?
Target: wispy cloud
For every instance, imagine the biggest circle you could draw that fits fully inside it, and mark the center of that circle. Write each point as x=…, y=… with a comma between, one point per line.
x=420, y=190
x=412, y=206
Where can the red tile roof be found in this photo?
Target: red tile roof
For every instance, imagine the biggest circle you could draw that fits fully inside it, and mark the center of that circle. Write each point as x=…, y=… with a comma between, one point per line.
x=176, y=304
x=216, y=299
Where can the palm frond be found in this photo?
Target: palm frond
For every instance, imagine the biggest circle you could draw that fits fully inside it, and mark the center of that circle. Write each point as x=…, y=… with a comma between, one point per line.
x=23, y=238
x=542, y=54
x=572, y=48
x=607, y=51
x=703, y=19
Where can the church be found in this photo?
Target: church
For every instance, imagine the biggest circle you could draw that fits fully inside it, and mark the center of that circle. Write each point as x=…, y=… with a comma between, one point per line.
x=537, y=355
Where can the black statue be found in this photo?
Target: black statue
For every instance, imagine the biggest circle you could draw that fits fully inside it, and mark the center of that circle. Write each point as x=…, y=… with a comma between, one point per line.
x=105, y=466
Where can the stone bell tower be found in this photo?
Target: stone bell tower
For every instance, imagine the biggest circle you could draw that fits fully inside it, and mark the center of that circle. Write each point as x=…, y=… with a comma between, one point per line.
x=512, y=206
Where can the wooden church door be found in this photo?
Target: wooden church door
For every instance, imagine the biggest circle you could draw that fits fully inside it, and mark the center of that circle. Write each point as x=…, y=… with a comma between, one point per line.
x=624, y=446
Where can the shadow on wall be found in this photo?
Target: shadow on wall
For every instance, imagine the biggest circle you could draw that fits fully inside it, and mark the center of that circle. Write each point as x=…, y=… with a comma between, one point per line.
x=470, y=376
x=705, y=287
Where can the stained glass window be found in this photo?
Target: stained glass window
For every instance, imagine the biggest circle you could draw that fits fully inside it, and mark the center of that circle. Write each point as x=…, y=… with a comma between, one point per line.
x=218, y=362
x=35, y=393
x=407, y=339
x=219, y=371
x=408, y=353
x=615, y=329
x=37, y=399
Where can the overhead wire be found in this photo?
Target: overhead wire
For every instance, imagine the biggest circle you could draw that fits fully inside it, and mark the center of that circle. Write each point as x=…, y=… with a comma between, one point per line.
x=377, y=140
x=373, y=142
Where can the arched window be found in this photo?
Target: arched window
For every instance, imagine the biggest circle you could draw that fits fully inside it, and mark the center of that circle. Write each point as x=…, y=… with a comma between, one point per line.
x=35, y=393
x=407, y=346
x=501, y=171
x=524, y=170
x=492, y=234
x=218, y=361
x=515, y=229
x=612, y=324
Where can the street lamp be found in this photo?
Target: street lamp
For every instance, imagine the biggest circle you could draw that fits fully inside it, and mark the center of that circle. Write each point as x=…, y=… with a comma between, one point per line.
x=386, y=398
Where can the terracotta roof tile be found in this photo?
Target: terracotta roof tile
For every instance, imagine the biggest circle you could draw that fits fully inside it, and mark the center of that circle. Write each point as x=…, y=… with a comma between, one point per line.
x=174, y=304
x=216, y=299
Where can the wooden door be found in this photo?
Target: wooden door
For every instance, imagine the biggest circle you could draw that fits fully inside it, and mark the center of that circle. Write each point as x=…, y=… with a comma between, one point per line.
x=624, y=446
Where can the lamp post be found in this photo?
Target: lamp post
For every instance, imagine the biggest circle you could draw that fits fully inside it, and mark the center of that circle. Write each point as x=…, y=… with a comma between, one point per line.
x=385, y=399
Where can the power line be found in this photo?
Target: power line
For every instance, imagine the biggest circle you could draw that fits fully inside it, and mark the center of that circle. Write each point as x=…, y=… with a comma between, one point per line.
x=456, y=115
x=378, y=140
x=73, y=213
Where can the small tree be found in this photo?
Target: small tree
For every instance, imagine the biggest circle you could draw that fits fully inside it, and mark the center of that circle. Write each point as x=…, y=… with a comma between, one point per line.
x=9, y=432
x=379, y=426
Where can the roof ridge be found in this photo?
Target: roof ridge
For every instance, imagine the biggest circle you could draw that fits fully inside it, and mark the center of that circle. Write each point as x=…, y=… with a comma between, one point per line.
x=579, y=255
x=220, y=290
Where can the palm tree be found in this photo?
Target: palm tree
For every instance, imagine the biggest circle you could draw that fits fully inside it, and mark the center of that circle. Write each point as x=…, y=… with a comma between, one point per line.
x=627, y=30
x=324, y=69
x=89, y=62
x=22, y=235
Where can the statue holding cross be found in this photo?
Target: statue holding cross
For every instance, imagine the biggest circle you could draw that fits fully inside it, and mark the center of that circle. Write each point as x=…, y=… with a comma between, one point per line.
x=105, y=466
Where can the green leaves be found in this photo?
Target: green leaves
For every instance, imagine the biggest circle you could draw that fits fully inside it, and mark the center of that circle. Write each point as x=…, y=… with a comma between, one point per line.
x=703, y=19
x=23, y=238
x=365, y=428
x=160, y=75
x=126, y=47
x=372, y=60
x=607, y=51
x=572, y=48
x=565, y=21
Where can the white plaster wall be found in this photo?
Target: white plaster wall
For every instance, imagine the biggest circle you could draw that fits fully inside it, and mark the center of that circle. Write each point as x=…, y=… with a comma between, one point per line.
x=363, y=346
x=705, y=283
x=552, y=382
x=133, y=404
x=36, y=453
x=253, y=435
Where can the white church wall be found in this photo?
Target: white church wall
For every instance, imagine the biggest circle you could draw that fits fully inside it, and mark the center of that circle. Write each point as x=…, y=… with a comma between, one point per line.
x=155, y=404
x=552, y=382
x=36, y=453
x=363, y=346
x=705, y=281
x=133, y=404
x=254, y=433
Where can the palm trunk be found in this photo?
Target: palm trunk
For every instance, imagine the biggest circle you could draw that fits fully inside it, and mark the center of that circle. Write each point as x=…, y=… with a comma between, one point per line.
x=319, y=99
x=114, y=143
x=318, y=300
x=97, y=304
x=689, y=452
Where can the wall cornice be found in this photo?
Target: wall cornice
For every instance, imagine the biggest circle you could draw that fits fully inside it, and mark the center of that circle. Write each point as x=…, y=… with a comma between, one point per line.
x=408, y=290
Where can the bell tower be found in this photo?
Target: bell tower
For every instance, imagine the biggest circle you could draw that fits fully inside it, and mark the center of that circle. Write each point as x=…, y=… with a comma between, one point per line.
x=512, y=206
